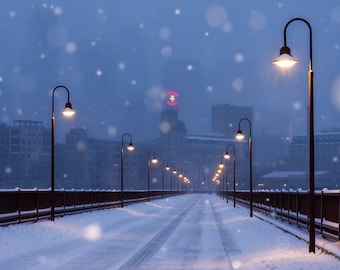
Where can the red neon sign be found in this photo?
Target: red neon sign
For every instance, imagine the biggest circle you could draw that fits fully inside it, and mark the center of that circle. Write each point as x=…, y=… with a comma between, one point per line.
x=172, y=98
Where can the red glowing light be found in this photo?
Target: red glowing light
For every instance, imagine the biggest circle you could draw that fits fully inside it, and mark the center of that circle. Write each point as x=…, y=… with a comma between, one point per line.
x=172, y=98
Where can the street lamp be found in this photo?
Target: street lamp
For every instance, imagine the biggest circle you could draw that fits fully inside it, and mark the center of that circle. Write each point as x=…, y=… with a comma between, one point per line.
x=174, y=171
x=240, y=136
x=221, y=166
x=167, y=168
x=130, y=147
x=286, y=60
x=227, y=156
x=68, y=112
x=154, y=160
x=180, y=176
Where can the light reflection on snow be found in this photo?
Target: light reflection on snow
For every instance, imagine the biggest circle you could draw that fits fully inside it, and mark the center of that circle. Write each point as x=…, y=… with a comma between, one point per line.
x=92, y=232
x=236, y=264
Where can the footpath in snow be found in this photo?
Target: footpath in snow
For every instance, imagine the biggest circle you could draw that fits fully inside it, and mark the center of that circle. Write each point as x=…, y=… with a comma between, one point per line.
x=195, y=231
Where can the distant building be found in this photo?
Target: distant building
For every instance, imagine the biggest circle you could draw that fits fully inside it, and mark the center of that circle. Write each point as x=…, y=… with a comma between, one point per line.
x=291, y=180
x=25, y=155
x=225, y=119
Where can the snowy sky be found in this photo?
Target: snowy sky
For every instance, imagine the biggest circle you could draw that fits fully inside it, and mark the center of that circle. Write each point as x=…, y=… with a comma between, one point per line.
x=197, y=231
x=118, y=59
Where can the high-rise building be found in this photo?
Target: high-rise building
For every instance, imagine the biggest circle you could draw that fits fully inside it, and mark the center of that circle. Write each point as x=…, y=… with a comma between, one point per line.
x=225, y=118
x=29, y=155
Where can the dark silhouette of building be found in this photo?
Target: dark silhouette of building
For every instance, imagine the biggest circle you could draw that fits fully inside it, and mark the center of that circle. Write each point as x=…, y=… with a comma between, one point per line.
x=225, y=118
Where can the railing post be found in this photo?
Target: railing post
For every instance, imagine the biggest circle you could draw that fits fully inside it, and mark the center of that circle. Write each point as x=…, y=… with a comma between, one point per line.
x=19, y=198
x=37, y=204
x=321, y=212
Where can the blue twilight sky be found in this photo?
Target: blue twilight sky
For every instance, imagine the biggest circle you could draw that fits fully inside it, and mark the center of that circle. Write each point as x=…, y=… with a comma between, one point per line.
x=118, y=58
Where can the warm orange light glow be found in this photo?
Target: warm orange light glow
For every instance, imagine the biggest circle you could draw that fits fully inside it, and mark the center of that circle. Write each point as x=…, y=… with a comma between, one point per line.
x=68, y=112
x=239, y=135
x=226, y=155
x=154, y=160
x=285, y=61
x=130, y=147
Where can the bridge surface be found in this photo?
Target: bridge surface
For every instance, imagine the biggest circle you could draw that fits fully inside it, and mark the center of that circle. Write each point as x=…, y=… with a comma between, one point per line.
x=195, y=231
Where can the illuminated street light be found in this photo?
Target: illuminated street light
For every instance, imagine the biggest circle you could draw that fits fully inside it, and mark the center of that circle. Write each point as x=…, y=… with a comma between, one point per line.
x=153, y=161
x=167, y=168
x=68, y=112
x=284, y=54
x=240, y=136
x=130, y=147
x=227, y=156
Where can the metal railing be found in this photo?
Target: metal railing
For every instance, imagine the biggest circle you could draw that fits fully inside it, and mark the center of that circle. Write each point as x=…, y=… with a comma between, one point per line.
x=30, y=205
x=292, y=206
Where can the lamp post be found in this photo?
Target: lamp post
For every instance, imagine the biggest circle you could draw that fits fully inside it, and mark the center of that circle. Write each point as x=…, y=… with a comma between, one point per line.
x=153, y=161
x=220, y=171
x=130, y=147
x=167, y=167
x=68, y=112
x=227, y=156
x=174, y=171
x=240, y=136
x=180, y=176
x=286, y=60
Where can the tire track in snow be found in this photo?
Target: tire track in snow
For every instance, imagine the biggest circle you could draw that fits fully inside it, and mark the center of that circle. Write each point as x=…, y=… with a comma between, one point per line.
x=150, y=249
x=229, y=246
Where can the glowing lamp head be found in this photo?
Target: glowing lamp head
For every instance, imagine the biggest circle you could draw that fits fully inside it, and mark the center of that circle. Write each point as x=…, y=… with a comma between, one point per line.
x=239, y=135
x=154, y=160
x=221, y=165
x=167, y=167
x=68, y=110
x=226, y=155
x=130, y=147
x=174, y=171
x=285, y=59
